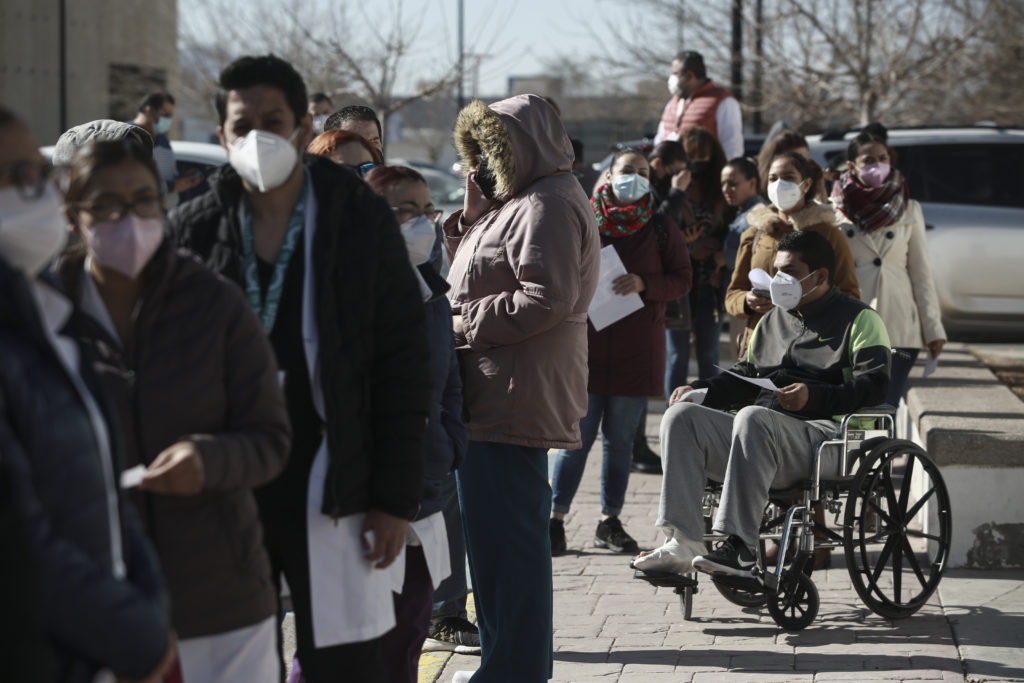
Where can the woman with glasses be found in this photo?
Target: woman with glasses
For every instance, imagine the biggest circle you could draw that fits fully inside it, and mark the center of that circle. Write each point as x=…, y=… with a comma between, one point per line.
x=202, y=415
x=438, y=548
x=347, y=149
x=97, y=594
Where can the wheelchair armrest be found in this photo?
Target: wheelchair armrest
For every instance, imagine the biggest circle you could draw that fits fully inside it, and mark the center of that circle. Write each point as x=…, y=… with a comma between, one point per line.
x=882, y=409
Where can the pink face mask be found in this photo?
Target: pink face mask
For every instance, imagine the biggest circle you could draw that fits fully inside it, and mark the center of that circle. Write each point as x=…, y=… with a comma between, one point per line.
x=873, y=175
x=127, y=244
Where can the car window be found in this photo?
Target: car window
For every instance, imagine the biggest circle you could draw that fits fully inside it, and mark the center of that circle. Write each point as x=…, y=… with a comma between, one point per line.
x=976, y=174
x=444, y=189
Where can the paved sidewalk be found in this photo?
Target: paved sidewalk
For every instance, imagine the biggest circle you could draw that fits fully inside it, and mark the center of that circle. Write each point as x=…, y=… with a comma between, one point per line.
x=610, y=627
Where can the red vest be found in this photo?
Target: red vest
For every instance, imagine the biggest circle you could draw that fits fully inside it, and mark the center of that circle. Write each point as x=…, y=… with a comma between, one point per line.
x=700, y=110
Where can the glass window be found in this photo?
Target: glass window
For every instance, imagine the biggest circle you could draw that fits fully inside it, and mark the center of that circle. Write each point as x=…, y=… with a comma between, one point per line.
x=978, y=174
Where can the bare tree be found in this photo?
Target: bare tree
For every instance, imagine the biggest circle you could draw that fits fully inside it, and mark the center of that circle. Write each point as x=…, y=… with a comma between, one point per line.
x=339, y=47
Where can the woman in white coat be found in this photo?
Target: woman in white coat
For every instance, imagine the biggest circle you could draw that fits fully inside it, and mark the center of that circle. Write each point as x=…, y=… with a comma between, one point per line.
x=886, y=233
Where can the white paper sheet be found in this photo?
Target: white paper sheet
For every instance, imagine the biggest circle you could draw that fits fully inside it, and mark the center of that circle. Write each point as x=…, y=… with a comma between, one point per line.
x=759, y=279
x=608, y=307
x=931, y=366
x=762, y=382
x=133, y=476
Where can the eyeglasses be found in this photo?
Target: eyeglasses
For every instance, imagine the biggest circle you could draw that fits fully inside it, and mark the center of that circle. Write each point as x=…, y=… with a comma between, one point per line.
x=433, y=215
x=363, y=169
x=112, y=210
x=29, y=177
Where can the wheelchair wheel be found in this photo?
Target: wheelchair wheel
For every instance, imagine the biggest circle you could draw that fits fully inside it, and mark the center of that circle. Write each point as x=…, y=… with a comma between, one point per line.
x=751, y=595
x=796, y=603
x=895, y=550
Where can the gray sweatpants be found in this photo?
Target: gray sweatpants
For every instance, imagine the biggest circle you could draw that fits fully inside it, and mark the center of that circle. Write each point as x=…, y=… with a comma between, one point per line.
x=750, y=452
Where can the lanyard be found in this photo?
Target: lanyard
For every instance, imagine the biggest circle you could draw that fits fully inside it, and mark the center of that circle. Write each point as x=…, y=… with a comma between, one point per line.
x=266, y=308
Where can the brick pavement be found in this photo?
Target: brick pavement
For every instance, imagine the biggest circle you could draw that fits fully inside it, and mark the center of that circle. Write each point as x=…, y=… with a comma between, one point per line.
x=610, y=627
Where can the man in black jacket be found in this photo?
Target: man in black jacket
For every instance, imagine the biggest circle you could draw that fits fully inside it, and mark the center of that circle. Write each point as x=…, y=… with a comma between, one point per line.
x=322, y=262
x=825, y=353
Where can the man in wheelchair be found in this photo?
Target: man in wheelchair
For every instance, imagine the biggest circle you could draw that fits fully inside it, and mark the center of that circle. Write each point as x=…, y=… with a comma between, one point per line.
x=825, y=354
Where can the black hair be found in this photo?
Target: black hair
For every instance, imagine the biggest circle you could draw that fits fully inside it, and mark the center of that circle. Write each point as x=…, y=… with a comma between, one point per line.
x=669, y=151
x=807, y=168
x=625, y=151
x=693, y=62
x=353, y=112
x=785, y=141
x=318, y=97
x=246, y=72
x=866, y=137
x=155, y=100
x=814, y=250
x=877, y=128
x=577, y=149
x=746, y=167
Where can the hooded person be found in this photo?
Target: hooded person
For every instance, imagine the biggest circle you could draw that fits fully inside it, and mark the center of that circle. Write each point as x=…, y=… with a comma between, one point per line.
x=525, y=263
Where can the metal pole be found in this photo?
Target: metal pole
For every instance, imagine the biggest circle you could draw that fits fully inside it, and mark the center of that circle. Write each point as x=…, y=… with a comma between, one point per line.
x=737, y=49
x=63, y=67
x=462, y=55
x=758, y=94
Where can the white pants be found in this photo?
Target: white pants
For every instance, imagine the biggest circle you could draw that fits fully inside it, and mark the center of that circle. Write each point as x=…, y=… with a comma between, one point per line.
x=246, y=654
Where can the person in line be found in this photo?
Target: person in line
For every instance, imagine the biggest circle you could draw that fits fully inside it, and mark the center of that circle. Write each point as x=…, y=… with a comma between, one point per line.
x=155, y=115
x=195, y=385
x=322, y=262
x=786, y=140
x=347, y=149
x=626, y=360
x=427, y=555
x=740, y=182
x=101, y=599
x=360, y=120
x=321, y=107
x=525, y=262
x=885, y=228
x=793, y=191
x=827, y=352
x=705, y=229
x=697, y=101
x=670, y=178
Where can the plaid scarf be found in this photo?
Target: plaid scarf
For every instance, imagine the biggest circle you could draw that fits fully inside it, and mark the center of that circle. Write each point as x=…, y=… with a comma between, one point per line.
x=620, y=221
x=871, y=208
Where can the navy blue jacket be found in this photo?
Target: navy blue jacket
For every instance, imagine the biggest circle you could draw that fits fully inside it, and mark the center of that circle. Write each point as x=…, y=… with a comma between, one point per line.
x=446, y=439
x=92, y=619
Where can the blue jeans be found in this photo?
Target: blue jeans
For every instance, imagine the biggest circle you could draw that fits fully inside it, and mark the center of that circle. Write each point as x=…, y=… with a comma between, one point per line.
x=706, y=332
x=902, y=362
x=506, y=503
x=618, y=418
x=450, y=596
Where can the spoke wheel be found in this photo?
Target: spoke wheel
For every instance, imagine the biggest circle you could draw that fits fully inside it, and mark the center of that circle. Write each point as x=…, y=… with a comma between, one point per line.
x=897, y=529
x=796, y=603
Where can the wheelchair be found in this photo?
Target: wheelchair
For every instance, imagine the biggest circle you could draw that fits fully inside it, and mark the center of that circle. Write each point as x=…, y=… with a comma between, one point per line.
x=892, y=517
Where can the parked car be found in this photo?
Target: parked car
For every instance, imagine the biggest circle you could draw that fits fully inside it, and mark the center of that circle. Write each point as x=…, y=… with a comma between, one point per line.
x=968, y=181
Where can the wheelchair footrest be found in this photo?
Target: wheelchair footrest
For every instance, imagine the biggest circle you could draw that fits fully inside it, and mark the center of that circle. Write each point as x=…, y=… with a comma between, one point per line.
x=749, y=584
x=665, y=579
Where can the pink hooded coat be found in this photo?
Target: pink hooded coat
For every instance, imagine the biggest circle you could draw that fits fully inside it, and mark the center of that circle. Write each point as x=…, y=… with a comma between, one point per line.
x=522, y=277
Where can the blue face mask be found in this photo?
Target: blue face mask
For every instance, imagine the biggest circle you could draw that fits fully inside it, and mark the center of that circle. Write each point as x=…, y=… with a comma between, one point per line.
x=630, y=187
x=163, y=124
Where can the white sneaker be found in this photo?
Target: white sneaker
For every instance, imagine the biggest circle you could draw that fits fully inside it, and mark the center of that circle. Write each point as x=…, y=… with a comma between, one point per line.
x=462, y=676
x=675, y=556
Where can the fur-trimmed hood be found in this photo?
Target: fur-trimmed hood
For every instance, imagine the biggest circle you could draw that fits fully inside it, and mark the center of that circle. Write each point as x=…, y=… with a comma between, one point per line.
x=767, y=218
x=522, y=138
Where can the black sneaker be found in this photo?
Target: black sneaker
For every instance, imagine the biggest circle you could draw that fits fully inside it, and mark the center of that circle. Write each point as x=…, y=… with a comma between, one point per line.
x=611, y=535
x=556, y=529
x=731, y=556
x=453, y=634
x=646, y=461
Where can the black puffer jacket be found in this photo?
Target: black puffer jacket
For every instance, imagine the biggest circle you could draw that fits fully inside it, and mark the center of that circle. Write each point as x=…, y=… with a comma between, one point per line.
x=374, y=355
x=93, y=620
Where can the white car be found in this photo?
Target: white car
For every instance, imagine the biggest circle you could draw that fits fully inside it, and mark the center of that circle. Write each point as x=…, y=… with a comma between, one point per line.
x=969, y=182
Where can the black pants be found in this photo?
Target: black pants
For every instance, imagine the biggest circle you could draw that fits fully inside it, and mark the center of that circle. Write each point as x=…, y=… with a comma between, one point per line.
x=284, y=536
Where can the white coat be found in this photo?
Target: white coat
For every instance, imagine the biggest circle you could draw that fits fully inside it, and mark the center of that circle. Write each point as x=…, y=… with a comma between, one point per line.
x=895, y=277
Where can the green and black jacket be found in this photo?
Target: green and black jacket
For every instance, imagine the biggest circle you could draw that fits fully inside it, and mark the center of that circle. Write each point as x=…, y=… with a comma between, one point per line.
x=837, y=346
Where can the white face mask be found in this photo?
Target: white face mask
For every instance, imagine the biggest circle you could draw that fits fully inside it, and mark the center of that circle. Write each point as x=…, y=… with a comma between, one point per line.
x=163, y=124
x=786, y=291
x=630, y=187
x=318, y=123
x=673, y=84
x=32, y=231
x=419, y=238
x=784, y=194
x=263, y=159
